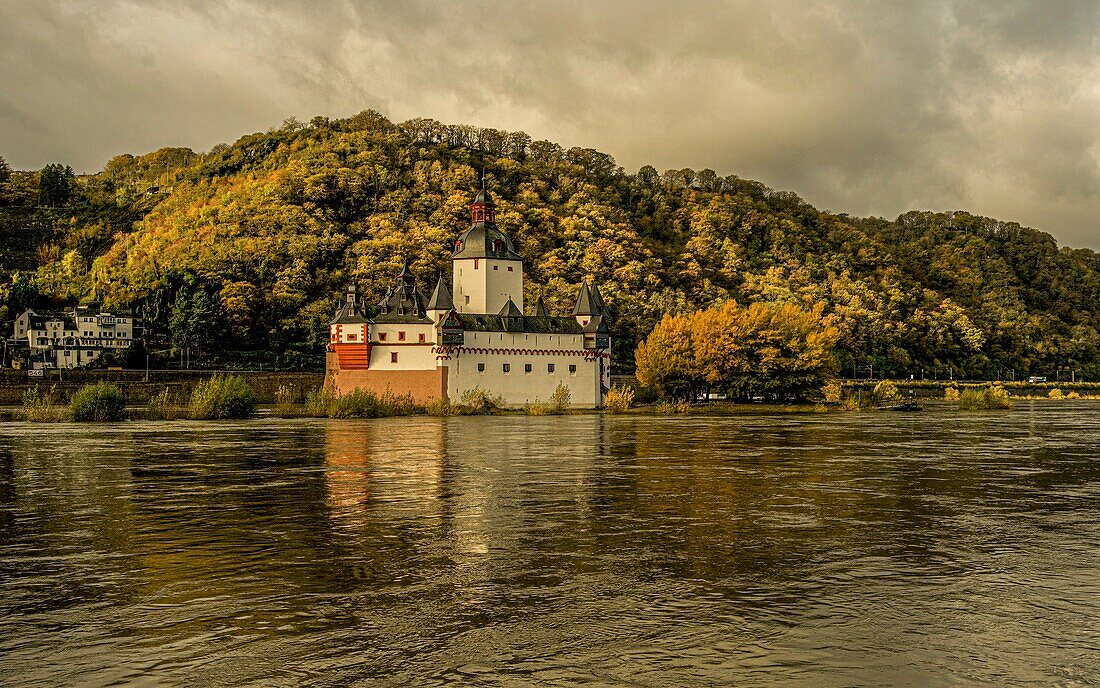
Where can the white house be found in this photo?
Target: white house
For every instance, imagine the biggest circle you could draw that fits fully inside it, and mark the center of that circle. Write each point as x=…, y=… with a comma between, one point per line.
x=71, y=338
x=476, y=336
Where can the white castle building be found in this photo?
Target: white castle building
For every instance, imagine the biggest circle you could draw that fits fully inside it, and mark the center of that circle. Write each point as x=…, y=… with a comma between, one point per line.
x=478, y=337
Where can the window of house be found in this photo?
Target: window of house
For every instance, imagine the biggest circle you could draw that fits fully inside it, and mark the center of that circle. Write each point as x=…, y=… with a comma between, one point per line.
x=481, y=367
x=507, y=368
x=400, y=336
x=527, y=367
x=510, y=269
x=550, y=367
x=583, y=323
x=572, y=370
x=467, y=300
x=351, y=338
x=496, y=267
x=393, y=357
x=423, y=337
x=381, y=336
x=475, y=263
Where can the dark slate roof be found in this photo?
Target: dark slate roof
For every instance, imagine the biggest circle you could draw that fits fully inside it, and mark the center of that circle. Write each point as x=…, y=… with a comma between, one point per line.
x=37, y=321
x=484, y=240
x=484, y=196
x=584, y=305
x=540, y=309
x=590, y=302
x=403, y=302
x=351, y=311
x=485, y=322
x=597, y=324
x=441, y=298
x=510, y=310
x=597, y=300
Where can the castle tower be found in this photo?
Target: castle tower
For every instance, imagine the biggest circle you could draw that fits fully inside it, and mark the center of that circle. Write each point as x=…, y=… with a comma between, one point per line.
x=487, y=270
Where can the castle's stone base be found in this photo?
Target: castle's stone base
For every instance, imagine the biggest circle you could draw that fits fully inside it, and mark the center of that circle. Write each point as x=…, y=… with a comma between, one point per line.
x=423, y=386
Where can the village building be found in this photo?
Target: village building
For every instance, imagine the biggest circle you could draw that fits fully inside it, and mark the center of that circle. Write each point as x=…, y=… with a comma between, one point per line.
x=69, y=338
x=474, y=333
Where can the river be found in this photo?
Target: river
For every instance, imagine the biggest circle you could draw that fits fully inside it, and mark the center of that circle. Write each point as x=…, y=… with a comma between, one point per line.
x=934, y=549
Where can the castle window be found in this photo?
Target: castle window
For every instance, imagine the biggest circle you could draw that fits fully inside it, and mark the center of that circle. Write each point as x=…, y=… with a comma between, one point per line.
x=583, y=323
x=351, y=338
x=550, y=368
x=422, y=337
x=507, y=368
x=467, y=300
x=510, y=268
x=572, y=370
x=481, y=367
x=393, y=357
x=496, y=267
x=381, y=336
x=400, y=336
x=527, y=367
x=475, y=263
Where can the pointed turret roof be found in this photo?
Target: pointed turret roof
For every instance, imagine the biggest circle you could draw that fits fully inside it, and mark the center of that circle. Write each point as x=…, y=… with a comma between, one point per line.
x=597, y=300
x=510, y=310
x=540, y=308
x=441, y=298
x=584, y=305
x=590, y=302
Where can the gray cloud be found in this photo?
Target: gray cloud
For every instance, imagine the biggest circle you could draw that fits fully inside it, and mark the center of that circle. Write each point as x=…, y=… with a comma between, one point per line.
x=860, y=106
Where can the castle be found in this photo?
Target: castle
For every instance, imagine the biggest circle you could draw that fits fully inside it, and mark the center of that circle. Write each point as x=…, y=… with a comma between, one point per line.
x=476, y=336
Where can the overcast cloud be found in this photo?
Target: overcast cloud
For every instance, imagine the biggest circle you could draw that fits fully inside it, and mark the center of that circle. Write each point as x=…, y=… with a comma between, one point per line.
x=863, y=107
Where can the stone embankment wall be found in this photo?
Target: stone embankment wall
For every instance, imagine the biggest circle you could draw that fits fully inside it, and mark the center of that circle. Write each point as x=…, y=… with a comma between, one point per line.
x=138, y=390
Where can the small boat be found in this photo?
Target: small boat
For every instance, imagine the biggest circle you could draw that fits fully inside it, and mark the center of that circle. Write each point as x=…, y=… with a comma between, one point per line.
x=907, y=406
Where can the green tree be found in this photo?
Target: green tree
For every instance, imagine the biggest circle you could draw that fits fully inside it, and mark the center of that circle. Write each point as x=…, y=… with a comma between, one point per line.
x=55, y=185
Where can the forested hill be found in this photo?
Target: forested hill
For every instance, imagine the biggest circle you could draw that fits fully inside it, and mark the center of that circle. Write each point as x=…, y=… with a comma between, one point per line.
x=244, y=249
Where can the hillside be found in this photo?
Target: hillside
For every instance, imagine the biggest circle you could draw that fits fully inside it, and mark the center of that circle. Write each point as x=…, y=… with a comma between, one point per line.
x=240, y=252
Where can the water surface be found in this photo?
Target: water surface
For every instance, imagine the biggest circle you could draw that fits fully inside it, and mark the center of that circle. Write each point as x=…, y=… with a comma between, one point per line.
x=936, y=549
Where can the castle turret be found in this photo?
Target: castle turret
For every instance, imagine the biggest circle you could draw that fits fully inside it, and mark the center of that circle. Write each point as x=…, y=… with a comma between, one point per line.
x=487, y=270
x=441, y=302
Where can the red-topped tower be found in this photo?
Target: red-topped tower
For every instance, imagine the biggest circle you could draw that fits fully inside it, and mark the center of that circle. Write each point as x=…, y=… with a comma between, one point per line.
x=483, y=208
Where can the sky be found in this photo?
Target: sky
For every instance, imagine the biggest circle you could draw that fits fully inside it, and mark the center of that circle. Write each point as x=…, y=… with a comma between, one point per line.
x=866, y=107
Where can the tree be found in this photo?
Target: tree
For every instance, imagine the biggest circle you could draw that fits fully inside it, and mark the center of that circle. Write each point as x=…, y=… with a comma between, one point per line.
x=666, y=360
x=55, y=185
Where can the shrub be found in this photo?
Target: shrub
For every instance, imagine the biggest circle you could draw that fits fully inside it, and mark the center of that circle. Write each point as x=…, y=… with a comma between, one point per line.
x=537, y=408
x=162, y=407
x=669, y=406
x=618, y=399
x=1073, y=395
x=478, y=401
x=441, y=407
x=833, y=391
x=320, y=402
x=42, y=406
x=885, y=392
x=358, y=403
x=286, y=403
x=559, y=400
x=991, y=397
x=951, y=394
x=1056, y=394
x=98, y=403
x=221, y=398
